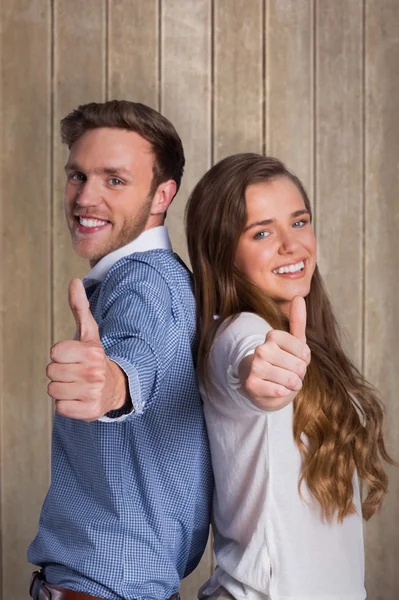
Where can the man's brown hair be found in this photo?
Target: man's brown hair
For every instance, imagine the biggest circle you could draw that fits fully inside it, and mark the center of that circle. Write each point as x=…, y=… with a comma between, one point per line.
x=132, y=116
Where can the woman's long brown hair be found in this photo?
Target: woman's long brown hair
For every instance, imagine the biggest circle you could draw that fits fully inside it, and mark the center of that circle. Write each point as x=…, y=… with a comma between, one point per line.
x=336, y=409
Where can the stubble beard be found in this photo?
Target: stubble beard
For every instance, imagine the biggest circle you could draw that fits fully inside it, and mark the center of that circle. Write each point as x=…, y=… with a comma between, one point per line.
x=130, y=231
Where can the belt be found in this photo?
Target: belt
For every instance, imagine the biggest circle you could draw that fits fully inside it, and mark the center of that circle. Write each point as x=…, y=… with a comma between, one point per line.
x=41, y=590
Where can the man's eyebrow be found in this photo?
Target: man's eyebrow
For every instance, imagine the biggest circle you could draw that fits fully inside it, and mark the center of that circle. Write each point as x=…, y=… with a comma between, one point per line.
x=295, y=214
x=72, y=167
x=114, y=171
x=101, y=170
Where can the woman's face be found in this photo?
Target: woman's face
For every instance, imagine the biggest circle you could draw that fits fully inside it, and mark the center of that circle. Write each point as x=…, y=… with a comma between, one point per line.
x=277, y=249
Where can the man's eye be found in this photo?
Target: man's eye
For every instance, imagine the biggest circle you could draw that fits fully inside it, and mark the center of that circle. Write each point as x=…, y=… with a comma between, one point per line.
x=115, y=181
x=300, y=223
x=77, y=177
x=261, y=234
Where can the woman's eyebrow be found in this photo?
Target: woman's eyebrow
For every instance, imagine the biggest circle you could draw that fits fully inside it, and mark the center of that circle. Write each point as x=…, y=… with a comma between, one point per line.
x=265, y=222
x=298, y=213
x=295, y=214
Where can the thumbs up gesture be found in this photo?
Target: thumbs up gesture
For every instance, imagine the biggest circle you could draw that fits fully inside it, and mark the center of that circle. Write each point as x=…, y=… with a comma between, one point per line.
x=275, y=374
x=84, y=383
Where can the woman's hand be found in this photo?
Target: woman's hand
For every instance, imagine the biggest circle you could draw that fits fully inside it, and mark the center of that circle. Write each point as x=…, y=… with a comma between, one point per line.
x=273, y=375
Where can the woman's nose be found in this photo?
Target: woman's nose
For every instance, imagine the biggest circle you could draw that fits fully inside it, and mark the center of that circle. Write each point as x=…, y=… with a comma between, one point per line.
x=288, y=242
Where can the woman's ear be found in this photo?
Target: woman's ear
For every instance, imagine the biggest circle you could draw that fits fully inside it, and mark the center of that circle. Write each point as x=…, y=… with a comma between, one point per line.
x=163, y=197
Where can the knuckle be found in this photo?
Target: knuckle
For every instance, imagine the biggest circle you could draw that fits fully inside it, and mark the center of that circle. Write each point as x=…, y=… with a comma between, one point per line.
x=264, y=351
x=293, y=381
x=51, y=389
x=54, y=351
x=308, y=355
x=259, y=352
x=61, y=409
x=301, y=369
x=272, y=335
x=96, y=354
x=95, y=374
x=280, y=392
x=49, y=370
x=250, y=384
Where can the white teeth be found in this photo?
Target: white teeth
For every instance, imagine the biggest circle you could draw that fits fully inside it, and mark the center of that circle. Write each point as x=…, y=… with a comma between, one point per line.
x=290, y=268
x=91, y=222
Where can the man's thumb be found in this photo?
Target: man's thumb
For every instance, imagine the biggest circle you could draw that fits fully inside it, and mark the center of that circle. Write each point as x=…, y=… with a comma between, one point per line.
x=86, y=327
x=298, y=318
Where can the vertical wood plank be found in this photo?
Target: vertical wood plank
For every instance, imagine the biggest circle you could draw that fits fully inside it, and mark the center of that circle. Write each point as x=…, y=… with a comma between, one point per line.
x=76, y=82
x=2, y=291
x=186, y=95
x=25, y=258
x=339, y=161
x=133, y=51
x=289, y=85
x=238, y=77
x=382, y=267
x=185, y=100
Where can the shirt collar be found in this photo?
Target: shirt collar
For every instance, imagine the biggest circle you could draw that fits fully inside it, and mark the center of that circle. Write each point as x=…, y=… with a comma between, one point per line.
x=156, y=238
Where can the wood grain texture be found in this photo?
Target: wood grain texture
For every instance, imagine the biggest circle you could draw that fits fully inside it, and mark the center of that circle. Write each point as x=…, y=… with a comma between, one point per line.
x=25, y=270
x=339, y=162
x=185, y=95
x=382, y=266
x=133, y=51
x=238, y=77
x=288, y=76
x=185, y=100
x=289, y=31
x=2, y=316
x=76, y=82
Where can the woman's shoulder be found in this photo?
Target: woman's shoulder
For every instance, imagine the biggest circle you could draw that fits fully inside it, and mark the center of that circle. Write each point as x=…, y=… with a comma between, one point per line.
x=242, y=324
x=239, y=335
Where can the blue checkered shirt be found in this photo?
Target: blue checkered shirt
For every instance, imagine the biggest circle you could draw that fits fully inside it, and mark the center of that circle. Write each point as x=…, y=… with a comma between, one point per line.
x=127, y=513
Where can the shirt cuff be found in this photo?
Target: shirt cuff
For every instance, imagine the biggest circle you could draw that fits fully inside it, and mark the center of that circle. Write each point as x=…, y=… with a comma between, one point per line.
x=122, y=414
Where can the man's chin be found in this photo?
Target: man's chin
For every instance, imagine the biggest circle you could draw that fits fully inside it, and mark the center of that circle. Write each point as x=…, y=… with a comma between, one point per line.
x=89, y=254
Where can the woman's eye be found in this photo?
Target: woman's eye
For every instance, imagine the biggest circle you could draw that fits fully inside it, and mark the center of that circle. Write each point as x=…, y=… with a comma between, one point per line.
x=300, y=223
x=261, y=234
x=115, y=181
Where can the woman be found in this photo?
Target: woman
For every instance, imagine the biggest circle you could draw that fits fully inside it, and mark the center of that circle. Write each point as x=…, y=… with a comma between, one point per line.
x=292, y=423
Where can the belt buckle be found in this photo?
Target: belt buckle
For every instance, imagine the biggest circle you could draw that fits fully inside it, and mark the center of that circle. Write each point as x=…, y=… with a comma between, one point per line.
x=36, y=583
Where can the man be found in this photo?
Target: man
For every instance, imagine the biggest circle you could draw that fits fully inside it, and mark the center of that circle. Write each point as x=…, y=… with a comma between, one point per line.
x=127, y=512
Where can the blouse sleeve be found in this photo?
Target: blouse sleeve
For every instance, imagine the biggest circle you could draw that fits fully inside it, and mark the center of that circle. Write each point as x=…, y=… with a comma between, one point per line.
x=237, y=339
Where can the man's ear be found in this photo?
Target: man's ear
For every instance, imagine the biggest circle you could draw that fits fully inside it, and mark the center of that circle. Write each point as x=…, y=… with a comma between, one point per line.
x=163, y=197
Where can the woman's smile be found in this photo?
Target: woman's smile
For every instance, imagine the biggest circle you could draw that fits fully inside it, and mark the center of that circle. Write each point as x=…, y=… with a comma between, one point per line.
x=277, y=249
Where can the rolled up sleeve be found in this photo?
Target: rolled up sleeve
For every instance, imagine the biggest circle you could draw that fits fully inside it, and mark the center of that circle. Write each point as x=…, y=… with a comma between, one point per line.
x=138, y=332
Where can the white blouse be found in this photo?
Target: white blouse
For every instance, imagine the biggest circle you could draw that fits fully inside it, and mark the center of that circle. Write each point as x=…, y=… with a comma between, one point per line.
x=270, y=543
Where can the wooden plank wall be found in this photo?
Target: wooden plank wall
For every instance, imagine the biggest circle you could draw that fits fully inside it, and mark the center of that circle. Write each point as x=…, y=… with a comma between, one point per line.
x=313, y=82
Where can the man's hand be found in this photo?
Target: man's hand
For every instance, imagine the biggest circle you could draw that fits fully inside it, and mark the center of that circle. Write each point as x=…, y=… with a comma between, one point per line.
x=84, y=383
x=273, y=375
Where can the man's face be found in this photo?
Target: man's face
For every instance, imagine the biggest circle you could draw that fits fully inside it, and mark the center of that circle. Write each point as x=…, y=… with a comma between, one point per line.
x=107, y=192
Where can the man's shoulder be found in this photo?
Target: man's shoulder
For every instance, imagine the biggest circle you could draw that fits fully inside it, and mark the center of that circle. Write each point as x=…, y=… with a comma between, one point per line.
x=166, y=263
x=157, y=274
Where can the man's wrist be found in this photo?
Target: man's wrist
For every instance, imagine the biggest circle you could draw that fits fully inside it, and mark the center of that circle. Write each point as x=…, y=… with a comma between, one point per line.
x=120, y=397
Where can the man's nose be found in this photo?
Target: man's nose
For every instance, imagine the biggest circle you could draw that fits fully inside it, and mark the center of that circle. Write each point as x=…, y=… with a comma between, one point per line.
x=89, y=194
